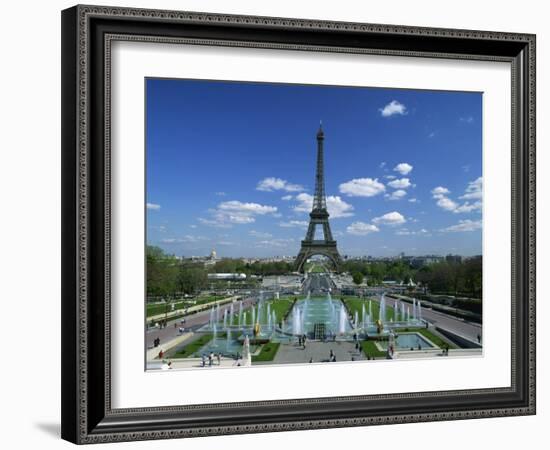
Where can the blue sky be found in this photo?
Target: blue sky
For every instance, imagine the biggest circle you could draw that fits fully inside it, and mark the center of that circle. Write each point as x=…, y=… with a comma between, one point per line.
x=231, y=166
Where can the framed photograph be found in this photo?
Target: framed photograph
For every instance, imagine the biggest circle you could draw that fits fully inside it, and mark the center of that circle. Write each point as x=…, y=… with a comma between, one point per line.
x=279, y=224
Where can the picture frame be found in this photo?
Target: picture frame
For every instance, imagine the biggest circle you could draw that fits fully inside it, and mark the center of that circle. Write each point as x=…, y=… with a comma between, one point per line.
x=87, y=412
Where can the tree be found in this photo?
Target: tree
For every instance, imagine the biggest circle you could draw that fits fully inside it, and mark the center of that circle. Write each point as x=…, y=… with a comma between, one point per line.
x=357, y=277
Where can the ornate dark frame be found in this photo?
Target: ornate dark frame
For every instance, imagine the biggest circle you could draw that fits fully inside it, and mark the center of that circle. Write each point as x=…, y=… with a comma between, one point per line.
x=87, y=31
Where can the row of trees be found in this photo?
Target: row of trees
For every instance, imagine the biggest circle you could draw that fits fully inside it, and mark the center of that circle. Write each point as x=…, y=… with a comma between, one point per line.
x=376, y=272
x=454, y=277
x=168, y=275
x=446, y=277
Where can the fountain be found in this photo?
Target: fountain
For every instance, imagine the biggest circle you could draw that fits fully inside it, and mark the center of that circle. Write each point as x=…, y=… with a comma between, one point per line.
x=225, y=320
x=231, y=313
x=253, y=316
x=419, y=311
x=247, y=357
x=382, y=312
x=356, y=320
x=214, y=332
x=211, y=320
x=296, y=321
x=342, y=321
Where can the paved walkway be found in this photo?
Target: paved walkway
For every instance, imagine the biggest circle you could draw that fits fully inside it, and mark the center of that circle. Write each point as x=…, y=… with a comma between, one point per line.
x=317, y=352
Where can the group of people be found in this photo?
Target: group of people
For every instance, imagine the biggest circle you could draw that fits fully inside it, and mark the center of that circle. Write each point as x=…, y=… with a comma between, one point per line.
x=210, y=358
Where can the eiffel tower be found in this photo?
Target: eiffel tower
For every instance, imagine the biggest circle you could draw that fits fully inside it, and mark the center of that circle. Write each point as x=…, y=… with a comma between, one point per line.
x=318, y=218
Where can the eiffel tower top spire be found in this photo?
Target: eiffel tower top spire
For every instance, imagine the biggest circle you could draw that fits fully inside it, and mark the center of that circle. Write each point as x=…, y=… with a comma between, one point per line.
x=319, y=200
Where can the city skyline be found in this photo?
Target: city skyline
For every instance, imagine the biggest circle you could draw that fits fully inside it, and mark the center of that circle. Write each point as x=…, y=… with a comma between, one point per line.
x=230, y=166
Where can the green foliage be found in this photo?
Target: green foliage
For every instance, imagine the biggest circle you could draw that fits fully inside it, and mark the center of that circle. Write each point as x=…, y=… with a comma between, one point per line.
x=193, y=347
x=370, y=349
x=435, y=339
x=168, y=276
x=228, y=265
x=445, y=276
x=267, y=353
x=358, y=277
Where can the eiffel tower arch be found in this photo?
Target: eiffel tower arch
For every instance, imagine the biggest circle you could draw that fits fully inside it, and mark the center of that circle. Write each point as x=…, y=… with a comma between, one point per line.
x=318, y=218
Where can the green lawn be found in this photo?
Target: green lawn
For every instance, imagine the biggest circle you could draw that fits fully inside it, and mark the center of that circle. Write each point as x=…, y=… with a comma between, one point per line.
x=280, y=307
x=267, y=353
x=318, y=269
x=356, y=304
x=194, y=346
x=369, y=349
x=435, y=339
x=161, y=308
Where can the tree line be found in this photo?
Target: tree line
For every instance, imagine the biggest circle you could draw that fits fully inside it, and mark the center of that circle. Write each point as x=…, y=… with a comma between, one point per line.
x=168, y=276
x=445, y=277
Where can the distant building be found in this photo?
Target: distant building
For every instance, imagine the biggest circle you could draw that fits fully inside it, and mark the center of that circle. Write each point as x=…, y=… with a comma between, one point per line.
x=457, y=259
x=227, y=276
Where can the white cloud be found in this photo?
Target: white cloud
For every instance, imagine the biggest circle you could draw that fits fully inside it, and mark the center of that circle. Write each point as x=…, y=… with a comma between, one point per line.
x=432, y=134
x=393, y=108
x=396, y=195
x=184, y=239
x=361, y=228
x=382, y=164
x=463, y=225
x=236, y=212
x=468, y=207
x=362, y=187
x=277, y=184
x=446, y=203
x=468, y=119
x=279, y=243
x=402, y=183
x=246, y=208
x=439, y=191
x=153, y=206
x=220, y=194
x=390, y=177
x=407, y=232
x=294, y=223
x=286, y=198
x=391, y=218
x=260, y=234
x=335, y=205
x=414, y=200
x=403, y=168
x=474, y=191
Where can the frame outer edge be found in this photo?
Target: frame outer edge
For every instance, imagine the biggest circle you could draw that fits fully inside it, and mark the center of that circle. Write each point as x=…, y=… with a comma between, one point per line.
x=75, y=217
x=69, y=234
